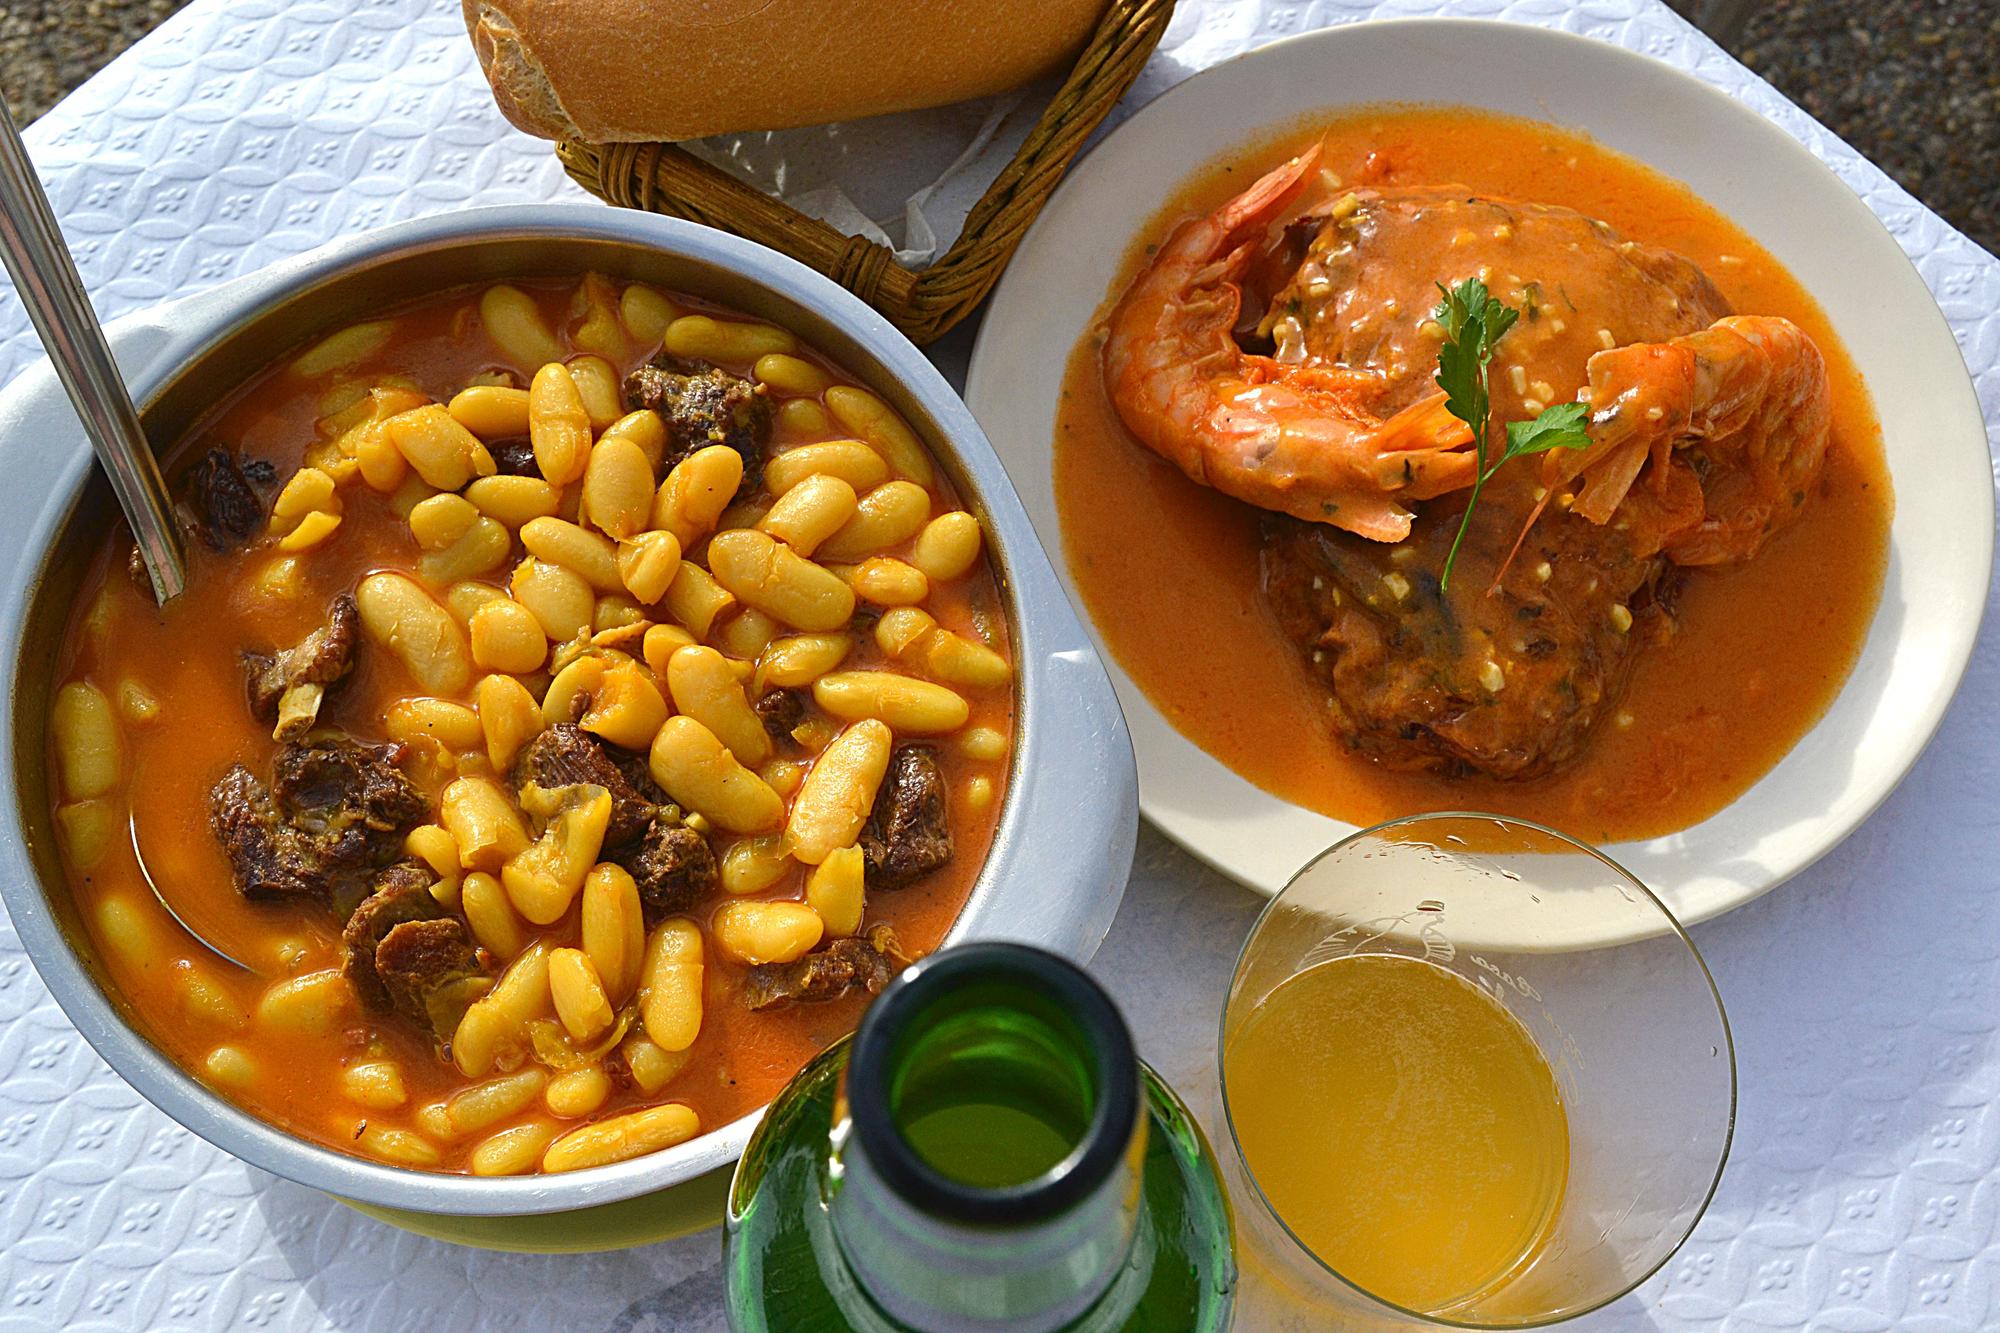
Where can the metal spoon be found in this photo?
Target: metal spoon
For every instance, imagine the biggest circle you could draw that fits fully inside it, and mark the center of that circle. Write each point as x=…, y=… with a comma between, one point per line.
x=199, y=937
x=32, y=246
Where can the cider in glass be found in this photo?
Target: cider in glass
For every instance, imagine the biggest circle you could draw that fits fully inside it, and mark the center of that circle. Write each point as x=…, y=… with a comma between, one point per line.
x=1403, y=1125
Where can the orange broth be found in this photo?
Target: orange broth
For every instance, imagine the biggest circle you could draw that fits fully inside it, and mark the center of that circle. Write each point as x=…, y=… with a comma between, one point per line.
x=1760, y=649
x=187, y=658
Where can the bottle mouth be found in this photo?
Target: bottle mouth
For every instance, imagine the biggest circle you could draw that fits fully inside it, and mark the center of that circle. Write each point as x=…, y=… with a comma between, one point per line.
x=993, y=1083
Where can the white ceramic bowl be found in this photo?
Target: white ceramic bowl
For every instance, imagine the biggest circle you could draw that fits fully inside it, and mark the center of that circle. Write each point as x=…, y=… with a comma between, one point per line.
x=1942, y=539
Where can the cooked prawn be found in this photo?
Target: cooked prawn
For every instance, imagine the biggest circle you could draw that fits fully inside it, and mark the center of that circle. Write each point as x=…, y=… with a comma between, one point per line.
x=1749, y=392
x=1295, y=438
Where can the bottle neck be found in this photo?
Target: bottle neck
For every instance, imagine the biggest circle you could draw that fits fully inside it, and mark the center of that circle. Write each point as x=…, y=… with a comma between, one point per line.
x=987, y=1173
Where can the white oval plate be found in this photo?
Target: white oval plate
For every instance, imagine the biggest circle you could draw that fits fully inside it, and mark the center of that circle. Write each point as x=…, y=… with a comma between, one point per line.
x=1941, y=544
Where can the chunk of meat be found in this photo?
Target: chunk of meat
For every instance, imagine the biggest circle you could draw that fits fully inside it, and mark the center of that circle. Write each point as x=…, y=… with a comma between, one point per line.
x=908, y=834
x=226, y=509
x=671, y=863
x=1509, y=684
x=400, y=893
x=638, y=773
x=344, y=788
x=840, y=968
x=565, y=755
x=514, y=458
x=336, y=811
x=781, y=711
x=673, y=867
x=1362, y=296
x=269, y=859
x=407, y=954
x=286, y=687
x=431, y=971
x=704, y=406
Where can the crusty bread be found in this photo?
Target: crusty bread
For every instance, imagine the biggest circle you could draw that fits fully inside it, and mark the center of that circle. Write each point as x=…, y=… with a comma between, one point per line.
x=640, y=70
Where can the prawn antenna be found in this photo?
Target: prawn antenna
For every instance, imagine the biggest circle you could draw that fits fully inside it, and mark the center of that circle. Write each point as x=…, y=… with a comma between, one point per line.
x=1514, y=550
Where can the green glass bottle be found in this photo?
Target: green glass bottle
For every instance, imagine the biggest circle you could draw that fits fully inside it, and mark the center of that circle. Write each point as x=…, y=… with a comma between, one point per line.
x=986, y=1152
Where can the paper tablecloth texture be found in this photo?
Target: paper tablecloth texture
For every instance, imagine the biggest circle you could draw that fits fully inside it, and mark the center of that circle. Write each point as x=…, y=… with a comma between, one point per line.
x=1865, y=1182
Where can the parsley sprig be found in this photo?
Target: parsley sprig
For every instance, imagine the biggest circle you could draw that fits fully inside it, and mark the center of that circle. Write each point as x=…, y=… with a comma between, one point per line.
x=1474, y=323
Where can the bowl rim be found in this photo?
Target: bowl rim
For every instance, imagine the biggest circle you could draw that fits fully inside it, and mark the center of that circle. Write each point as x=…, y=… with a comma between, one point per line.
x=1061, y=891
x=1261, y=856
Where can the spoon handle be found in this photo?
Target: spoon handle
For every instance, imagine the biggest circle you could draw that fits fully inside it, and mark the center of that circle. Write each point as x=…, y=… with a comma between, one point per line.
x=32, y=246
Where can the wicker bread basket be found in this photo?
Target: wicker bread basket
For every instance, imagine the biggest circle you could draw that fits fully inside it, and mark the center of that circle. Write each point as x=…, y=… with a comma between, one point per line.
x=664, y=178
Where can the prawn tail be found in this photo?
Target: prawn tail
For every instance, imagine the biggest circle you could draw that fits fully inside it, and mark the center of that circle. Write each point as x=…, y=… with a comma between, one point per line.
x=1258, y=206
x=1608, y=483
x=1422, y=450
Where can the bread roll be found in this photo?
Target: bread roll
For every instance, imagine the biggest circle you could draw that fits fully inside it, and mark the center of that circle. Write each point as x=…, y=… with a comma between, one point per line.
x=642, y=70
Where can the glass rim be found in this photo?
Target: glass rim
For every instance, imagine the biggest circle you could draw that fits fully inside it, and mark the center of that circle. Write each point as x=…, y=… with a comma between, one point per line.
x=1256, y=1186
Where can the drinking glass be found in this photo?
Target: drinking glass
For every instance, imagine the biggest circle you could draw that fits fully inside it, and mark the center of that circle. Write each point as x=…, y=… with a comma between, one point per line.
x=1598, y=972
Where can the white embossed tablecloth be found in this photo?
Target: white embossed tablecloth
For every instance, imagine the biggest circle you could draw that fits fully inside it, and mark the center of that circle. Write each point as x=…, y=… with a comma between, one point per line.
x=1865, y=1182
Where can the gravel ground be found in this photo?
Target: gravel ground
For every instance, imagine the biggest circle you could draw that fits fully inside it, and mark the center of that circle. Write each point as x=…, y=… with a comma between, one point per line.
x=1913, y=84
x=47, y=47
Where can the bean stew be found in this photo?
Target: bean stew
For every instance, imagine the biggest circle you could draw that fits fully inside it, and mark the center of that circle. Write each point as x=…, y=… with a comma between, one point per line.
x=585, y=698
